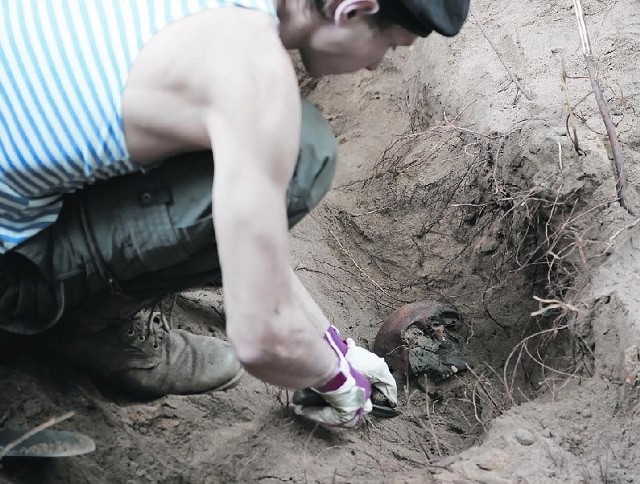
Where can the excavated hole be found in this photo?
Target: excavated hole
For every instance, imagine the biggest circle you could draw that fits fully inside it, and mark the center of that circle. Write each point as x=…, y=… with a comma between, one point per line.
x=474, y=235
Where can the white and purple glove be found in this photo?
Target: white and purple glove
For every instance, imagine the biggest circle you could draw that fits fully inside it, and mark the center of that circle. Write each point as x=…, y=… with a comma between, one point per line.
x=374, y=368
x=348, y=393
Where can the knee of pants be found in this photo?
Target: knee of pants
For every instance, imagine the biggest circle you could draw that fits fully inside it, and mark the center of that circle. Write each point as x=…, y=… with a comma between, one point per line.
x=316, y=164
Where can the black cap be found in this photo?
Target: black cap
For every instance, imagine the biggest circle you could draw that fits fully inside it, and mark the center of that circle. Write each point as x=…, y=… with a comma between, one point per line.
x=424, y=16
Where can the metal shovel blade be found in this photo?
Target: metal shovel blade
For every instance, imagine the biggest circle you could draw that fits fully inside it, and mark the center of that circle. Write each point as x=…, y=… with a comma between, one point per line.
x=47, y=443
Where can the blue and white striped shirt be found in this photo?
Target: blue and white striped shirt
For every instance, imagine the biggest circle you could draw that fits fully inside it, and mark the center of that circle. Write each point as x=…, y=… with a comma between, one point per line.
x=63, y=67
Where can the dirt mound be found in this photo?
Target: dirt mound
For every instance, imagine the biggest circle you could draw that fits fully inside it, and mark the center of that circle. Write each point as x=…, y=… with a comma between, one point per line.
x=476, y=172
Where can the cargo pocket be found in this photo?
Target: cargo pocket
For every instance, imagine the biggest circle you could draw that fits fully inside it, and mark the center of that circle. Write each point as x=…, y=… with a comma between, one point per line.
x=147, y=238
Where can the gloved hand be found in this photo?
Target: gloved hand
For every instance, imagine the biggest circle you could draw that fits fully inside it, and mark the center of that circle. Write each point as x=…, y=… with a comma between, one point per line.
x=367, y=363
x=374, y=368
x=348, y=393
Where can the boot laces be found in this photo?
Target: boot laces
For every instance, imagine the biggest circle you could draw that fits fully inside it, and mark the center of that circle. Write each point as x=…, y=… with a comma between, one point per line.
x=152, y=323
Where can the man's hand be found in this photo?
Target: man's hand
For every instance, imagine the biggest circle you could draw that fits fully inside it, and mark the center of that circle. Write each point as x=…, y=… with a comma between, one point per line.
x=348, y=398
x=367, y=363
x=374, y=368
x=348, y=393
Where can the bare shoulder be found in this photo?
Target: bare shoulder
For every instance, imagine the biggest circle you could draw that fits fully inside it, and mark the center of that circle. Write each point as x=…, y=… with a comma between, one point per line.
x=246, y=59
x=208, y=59
x=189, y=41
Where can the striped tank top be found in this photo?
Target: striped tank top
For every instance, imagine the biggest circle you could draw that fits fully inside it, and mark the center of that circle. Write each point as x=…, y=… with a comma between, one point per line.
x=63, y=68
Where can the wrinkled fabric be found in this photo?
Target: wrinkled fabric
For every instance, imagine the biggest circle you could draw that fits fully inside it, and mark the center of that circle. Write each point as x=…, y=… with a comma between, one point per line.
x=145, y=234
x=27, y=300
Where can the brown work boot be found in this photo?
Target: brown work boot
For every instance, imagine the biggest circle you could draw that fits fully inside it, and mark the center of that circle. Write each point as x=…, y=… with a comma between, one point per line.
x=142, y=356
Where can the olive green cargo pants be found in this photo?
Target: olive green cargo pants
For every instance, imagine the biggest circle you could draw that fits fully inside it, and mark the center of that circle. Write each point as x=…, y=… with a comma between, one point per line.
x=152, y=234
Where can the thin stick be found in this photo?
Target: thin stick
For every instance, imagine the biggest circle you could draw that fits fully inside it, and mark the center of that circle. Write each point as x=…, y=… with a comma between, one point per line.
x=358, y=266
x=433, y=429
x=306, y=444
x=483, y=386
x=571, y=129
x=49, y=423
x=628, y=227
x=513, y=78
x=553, y=304
x=560, y=154
x=519, y=346
x=616, y=149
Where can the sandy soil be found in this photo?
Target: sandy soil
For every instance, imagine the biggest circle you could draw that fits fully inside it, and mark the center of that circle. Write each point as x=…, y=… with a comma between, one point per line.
x=455, y=185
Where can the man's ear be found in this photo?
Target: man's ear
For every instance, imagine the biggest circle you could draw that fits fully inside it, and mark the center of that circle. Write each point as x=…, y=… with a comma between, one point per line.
x=345, y=10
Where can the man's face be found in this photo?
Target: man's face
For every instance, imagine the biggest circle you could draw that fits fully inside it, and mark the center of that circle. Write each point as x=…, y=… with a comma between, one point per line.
x=335, y=49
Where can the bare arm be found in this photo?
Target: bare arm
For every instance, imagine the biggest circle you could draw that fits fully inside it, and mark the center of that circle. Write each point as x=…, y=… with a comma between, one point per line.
x=319, y=320
x=254, y=124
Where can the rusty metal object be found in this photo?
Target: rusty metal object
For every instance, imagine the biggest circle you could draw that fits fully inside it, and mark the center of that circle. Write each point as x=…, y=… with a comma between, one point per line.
x=419, y=338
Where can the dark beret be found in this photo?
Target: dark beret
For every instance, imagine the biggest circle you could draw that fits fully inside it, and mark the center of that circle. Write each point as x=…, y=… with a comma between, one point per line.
x=424, y=16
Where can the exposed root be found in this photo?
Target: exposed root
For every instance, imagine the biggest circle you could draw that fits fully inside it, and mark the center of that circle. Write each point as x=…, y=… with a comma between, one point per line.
x=492, y=245
x=552, y=305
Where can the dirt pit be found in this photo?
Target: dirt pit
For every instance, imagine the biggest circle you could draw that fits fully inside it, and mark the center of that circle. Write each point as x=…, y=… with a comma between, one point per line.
x=476, y=172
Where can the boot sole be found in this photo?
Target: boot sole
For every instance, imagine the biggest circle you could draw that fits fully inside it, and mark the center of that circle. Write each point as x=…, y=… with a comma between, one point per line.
x=231, y=383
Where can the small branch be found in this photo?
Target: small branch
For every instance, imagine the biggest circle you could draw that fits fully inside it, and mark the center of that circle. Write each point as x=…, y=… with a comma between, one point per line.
x=378, y=286
x=560, y=154
x=571, y=129
x=628, y=227
x=553, y=304
x=513, y=78
x=485, y=389
x=49, y=423
x=432, y=427
x=621, y=182
x=519, y=349
x=306, y=444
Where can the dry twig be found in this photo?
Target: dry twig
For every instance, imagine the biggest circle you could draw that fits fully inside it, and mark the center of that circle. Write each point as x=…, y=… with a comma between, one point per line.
x=552, y=304
x=519, y=348
x=306, y=444
x=513, y=78
x=378, y=286
x=436, y=441
x=616, y=149
x=628, y=227
x=485, y=389
x=45, y=425
x=571, y=128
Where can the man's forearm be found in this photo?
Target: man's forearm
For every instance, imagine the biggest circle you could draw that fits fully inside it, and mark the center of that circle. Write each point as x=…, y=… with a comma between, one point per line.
x=307, y=360
x=311, y=307
x=274, y=324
